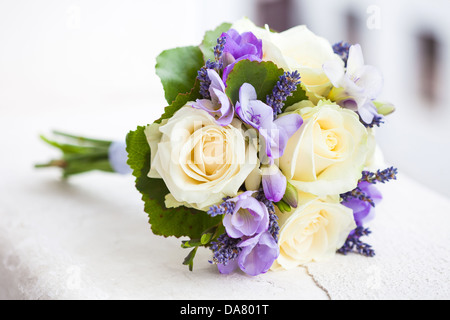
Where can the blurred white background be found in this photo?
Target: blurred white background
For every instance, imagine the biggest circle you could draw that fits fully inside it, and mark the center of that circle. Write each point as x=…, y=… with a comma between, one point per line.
x=68, y=64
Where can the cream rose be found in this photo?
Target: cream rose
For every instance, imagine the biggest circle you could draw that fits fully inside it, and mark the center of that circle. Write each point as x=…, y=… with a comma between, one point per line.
x=200, y=162
x=314, y=231
x=296, y=49
x=327, y=154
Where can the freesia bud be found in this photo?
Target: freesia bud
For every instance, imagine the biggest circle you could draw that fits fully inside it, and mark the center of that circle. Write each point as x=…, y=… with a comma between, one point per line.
x=291, y=195
x=274, y=183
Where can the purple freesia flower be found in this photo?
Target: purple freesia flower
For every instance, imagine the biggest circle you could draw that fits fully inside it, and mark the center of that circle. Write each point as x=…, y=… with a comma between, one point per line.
x=258, y=253
x=274, y=183
x=250, y=217
x=363, y=211
x=219, y=106
x=228, y=268
x=259, y=115
x=355, y=86
x=256, y=256
x=239, y=47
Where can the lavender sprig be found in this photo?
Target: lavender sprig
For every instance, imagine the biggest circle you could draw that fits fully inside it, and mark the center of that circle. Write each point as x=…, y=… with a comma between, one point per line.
x=382, y=176
x=354, y=244
x=226, y=207
x=217, y=65
x=274, y=228
x=225, y=249
x=205, y=82
x=284, y=88
x=377, y=121
x=342, y=49
x=357, y=193
x=218, y=52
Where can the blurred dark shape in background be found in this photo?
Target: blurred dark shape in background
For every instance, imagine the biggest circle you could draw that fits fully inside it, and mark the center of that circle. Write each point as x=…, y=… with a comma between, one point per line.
x=275, y=13
x=429, y=51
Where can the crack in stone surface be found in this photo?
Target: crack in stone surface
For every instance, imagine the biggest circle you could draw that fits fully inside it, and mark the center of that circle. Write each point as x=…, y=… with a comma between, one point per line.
x=318, y=284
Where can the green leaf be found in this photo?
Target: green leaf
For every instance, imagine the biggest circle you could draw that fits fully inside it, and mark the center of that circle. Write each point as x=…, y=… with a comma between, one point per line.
x=189, y=260
x=177, y=68
x=210, y=40
x=178, y=222
x=69, y=148
x=262, y=75
x=180, y=101
x=297, y=96
x=206, y=238
x=190, y=243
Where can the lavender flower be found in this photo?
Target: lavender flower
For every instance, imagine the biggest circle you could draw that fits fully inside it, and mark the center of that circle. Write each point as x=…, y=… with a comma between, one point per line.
x=380, y=176
x=225, y=252
x=239, y=47
x=274, y=228
x=342, y=49
x=284, y=88
x=226, y=207
x=218, y=52
x=353, y=243
x=202, y=74
x=356, y=86
x=260, y=116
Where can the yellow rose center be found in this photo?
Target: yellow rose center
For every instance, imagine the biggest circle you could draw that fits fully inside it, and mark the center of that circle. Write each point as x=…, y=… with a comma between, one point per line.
x=331, y=140
x=319, y=221
x=206, y=154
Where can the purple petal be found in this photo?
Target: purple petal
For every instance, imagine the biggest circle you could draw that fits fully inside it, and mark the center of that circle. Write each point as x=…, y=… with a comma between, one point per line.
x=242, y=196
x=240, y=45
x=258, y=254
x=219, y=106
x=290, y=123
x=246, y=93
x=274, y=183
x=216, y=81
x=275, y=140
x=228, y=268
x=249, y=217
x=363, y=211
x=252, y=111
x=349, y=104
x=367, y=112
x=204, y=104
x=226, y=110
x=371, y=80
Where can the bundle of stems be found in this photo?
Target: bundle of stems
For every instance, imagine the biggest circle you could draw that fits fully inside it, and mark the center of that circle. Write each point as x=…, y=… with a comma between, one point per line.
x=79, y=154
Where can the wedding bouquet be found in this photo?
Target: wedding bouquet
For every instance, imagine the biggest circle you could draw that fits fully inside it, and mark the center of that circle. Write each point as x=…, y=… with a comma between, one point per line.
x=265, y=153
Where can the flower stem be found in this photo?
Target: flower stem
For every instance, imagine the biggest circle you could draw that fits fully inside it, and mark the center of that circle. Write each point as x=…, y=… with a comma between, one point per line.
x=81, y=155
